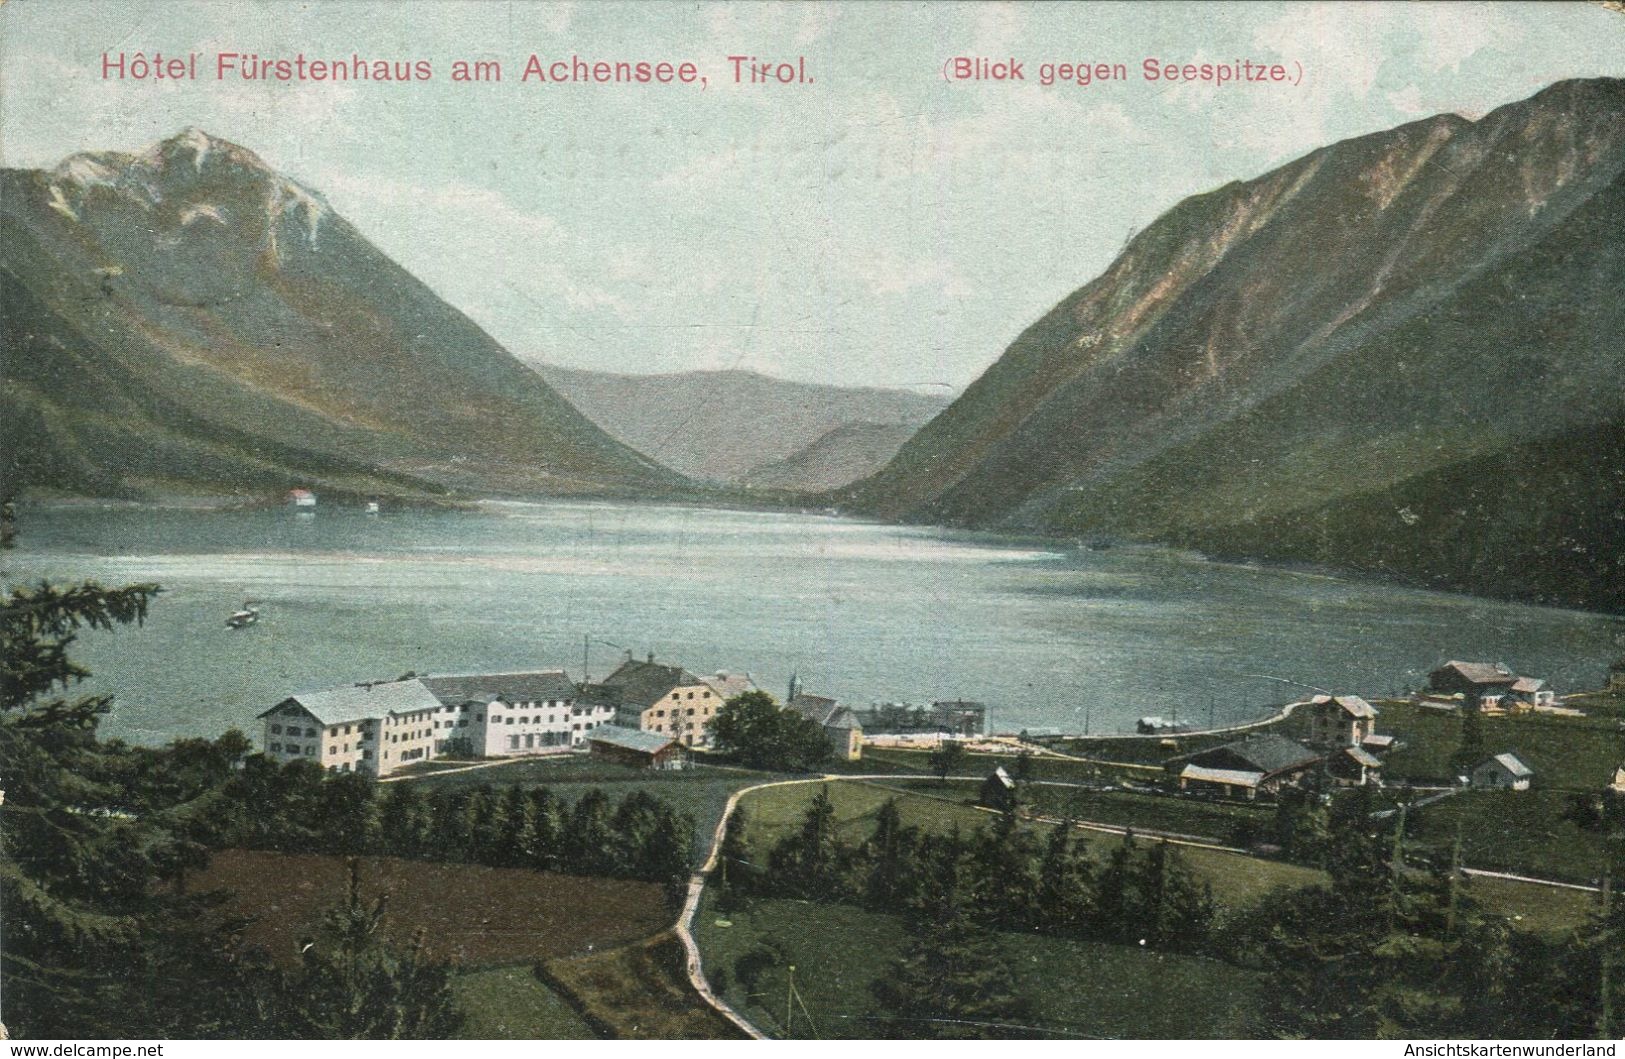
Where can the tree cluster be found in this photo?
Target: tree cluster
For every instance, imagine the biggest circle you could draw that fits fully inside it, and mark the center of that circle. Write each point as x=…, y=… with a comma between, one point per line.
x=298, y=807
x=760, y=734
x=1005, y=878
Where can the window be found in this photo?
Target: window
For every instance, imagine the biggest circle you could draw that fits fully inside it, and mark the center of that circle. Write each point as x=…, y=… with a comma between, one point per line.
x=311, y=732
x=705, y=694
x=366, y=755
x=276, y=748
x=660, y=713
x=510, y=720
x=524, y=720
x=332, y=750
x=691, y=710
x=479, y=718
x=513, y=742
x=276, y=729
x=346, y=729
x=463, y=723
x=691, y=694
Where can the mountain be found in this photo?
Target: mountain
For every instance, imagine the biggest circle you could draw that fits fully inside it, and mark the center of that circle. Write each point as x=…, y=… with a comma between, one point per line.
x=187, y=319
x=841, y=456
x=1403, y=353
x=720, y=425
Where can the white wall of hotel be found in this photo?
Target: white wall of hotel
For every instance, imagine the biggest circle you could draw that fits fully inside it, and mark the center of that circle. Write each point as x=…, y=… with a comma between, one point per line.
x=388, y=741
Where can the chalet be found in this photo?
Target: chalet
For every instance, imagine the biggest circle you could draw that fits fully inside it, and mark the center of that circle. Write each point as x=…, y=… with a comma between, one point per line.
x=1528, y=692
x=506, y=714
x=959, y=717
x=1258, y=764
x=667, y=700
x=1354, y=766
x=1340, y=721
x=1502, y=771
x=375, y=727
x=628, y=746
x=1478, y=683
x=839, y=723
x=998, y=791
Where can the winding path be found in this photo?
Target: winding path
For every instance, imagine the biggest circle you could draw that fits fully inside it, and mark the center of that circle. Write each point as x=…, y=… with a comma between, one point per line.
x=696, y=882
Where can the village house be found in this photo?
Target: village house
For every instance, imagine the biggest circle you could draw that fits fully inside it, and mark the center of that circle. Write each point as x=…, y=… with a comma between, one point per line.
x=504, y=714
x=375, y=727
x=839, y=723
x=959, y=717
x=1529, y=692
x=1503, y=771
x=1340, y=720
x=628, y=746
x=1259, y=764
x=1481, y=684
x=998, y=791
x=667, y=700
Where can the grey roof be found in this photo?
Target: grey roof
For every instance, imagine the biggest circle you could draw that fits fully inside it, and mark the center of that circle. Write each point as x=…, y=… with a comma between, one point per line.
x=843, y=718
x=646, y=683
x=1364, y=757
x=1527, y=684
x=357, y=702
x=1481, y=672
x=630, y=738
x=544, y=685
x=823, y=711
x=1352, y=705
x=1266, y=753
x=1510, y=762
x=1233, y=777
x=815, y=708
x=727, y=685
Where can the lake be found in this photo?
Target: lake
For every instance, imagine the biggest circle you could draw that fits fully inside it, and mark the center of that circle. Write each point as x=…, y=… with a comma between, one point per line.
x=1049, y=636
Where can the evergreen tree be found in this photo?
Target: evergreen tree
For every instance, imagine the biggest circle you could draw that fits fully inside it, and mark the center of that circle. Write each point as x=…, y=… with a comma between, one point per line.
x=1004, y=884
x=1065, y=897
x=97, y=942
x=548, y=826
x=735, y=874
x=352, y=986
x=404, y=822
x=808, y=864
x=588, y=842
x=1178, y=911
x=516, y=845
x=952, y=982
x=1117, y=898
x=891, y=861
x=1471, y=751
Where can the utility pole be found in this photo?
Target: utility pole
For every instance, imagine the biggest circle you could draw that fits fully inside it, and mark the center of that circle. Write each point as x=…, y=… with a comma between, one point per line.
x=1605, y=1016
x=789, y=994
x=1396, y=866
x=585, y=679
x=1455, y=884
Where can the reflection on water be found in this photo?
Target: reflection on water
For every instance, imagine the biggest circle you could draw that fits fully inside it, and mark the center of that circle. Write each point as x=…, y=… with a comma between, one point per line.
x=1044, y=634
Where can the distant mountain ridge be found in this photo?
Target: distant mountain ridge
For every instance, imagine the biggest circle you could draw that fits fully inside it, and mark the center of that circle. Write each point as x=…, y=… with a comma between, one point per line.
x=720, y=426
x=184, y=318
x=1401, y=353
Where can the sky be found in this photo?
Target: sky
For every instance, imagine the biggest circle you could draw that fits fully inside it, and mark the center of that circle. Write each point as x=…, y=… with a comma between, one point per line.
x=881, y=225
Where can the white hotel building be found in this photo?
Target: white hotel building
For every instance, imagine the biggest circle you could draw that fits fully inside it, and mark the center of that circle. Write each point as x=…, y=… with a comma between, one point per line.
x=378, y=727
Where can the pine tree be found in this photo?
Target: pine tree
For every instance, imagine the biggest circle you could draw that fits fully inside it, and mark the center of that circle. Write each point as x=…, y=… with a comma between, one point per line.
x=808, y=864
x=1065, y=899
x=100, y=941
x=890, y=856
x=352, y=986
x=952, y=982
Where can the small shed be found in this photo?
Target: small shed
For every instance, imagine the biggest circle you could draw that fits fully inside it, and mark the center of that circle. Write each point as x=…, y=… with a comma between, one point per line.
x=998, y=791
x=1618, y=784
x=1355, y=766
x=629, y=746
x=1237, y=783
x=1504, y=772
